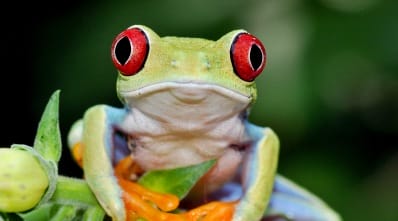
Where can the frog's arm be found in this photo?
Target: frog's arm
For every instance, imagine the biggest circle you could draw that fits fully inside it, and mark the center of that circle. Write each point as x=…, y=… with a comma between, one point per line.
x=296, y=203
x=95, y=133
x=258, y=174
x=268, y=194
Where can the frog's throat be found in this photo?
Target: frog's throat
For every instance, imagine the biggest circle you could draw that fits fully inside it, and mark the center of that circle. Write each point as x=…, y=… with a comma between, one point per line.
x=186, y=86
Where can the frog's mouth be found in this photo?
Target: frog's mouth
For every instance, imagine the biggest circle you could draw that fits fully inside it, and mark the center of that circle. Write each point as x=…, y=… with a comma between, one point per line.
x=189, y=92
x=170, y=101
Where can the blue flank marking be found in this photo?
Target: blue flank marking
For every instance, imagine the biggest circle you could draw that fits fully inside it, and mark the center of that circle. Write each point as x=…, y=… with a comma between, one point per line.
x=114, y=117
x=257, y=134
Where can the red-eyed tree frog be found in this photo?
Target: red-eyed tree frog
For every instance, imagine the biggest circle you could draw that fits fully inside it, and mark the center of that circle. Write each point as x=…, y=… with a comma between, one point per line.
x=186, y=101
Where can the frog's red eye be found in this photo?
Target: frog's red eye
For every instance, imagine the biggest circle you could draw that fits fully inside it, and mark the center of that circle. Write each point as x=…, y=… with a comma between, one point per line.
x=247, y=56
x=129, y=51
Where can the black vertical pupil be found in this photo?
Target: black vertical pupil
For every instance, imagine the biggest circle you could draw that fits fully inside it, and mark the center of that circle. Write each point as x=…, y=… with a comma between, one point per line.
x=256, y=56
x=123, y=50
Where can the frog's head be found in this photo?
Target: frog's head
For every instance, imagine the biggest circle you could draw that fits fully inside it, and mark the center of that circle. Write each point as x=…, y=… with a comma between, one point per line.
x=187, y=70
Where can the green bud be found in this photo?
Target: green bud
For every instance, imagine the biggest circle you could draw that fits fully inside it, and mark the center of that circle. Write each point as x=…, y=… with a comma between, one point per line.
x=23, y=180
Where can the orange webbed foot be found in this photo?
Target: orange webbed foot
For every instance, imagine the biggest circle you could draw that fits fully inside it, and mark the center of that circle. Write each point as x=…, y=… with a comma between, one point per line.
x=141, y=202
x=213, y=211
x=153, y=206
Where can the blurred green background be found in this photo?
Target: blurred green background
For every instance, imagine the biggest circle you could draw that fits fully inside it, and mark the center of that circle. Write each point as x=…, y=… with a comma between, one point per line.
x=330, y=88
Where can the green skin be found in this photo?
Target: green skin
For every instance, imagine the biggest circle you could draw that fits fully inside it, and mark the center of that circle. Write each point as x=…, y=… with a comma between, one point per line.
x=184, y=107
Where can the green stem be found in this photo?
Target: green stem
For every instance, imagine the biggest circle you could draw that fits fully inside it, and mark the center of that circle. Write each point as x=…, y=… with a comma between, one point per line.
x=64, y=213
x=94, y=213
x=76, y=191
x=72, y=200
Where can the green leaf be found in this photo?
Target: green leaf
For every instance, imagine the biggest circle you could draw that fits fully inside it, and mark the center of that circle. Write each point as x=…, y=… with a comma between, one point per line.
x=47, y=146
x=177, y=181
x=48, y=137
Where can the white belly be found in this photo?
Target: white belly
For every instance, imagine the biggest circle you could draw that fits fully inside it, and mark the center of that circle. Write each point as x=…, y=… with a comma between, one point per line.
x=175, y=125
x=157, y=146
x=180, y=124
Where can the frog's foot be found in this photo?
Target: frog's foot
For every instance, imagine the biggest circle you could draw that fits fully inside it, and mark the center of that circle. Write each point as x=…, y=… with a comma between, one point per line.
x=128, y=170
x=140, y=202
x=77, y=153
x=220, y=211
x=153, y=206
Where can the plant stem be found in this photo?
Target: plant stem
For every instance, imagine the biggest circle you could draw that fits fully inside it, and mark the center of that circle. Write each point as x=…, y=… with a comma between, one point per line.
x=75, y=191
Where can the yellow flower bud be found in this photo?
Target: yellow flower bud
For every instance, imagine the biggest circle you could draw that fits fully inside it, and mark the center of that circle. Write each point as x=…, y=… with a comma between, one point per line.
x=23, y=180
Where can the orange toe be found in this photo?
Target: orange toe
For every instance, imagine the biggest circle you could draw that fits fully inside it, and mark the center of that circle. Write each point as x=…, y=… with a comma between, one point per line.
x=140, y=202
x=152, y=206
x=128, y=169
x=165, y=202
x=213, y=211
x=77, y=153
